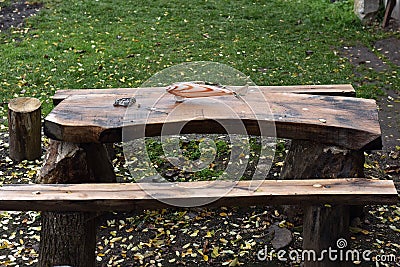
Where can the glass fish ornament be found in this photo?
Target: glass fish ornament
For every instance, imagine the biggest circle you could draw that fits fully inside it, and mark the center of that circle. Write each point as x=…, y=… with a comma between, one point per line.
x=182, y=90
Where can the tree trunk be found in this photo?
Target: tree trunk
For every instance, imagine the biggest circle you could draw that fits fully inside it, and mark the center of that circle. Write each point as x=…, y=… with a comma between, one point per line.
x=69, y=238
x=323, y=225
x=24, y=124
x=73, y=163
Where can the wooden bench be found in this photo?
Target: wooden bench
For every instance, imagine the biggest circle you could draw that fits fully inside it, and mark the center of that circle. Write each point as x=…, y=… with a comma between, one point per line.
x=329, y=131
x=130, y=196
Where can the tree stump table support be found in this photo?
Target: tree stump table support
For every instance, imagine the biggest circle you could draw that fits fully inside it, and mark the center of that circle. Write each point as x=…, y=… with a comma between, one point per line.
x=69, y=238
x=349, y=126
x=323, y=225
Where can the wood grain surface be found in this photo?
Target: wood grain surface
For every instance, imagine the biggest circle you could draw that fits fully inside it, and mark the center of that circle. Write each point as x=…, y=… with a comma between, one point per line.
x=330, y=89
x=120, y=196
x=345, y=121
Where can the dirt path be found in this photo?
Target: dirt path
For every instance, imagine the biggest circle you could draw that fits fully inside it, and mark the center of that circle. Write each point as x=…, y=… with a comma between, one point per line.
x=389, y=104
x=13, y=16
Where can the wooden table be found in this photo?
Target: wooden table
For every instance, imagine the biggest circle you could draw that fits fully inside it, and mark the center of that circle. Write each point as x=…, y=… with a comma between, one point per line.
x=330, y=130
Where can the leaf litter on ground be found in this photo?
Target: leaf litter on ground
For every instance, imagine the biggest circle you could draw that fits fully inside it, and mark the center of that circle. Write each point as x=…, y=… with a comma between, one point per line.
x=169, y=237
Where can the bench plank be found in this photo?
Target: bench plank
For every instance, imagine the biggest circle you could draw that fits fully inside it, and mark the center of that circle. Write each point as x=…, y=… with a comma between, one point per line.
x=344, y=121
x=122, y=196
x=333, y=90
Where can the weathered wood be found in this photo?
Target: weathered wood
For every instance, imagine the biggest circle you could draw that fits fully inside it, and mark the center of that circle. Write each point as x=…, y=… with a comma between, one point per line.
x=323, y=224
x=99, y=163
x=119, y=196
x=64, y=162
x=388, y=12
x=72, y=163
x=88, y=116
x=333, y=90
x=344, y=121
x=24, y=124
x=70, y=239
x=312, y=160
x=74, y=232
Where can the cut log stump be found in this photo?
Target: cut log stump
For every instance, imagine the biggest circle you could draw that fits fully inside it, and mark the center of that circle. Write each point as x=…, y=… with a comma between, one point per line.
x=24, y=120
x=70, y=239
x=323, y=225
x=76, y=163
x=74, y=232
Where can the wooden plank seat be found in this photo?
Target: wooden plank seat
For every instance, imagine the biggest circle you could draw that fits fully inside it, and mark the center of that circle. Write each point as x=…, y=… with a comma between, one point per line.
x=125, y=197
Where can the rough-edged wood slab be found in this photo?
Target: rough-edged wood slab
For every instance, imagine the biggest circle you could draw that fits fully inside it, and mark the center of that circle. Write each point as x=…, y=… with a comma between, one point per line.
x=330, y=89
x=344, y=121
x=112, y=197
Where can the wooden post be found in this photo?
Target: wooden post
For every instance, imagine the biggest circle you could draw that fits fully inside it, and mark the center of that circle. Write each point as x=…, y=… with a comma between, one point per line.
x=76, y=163
x=69, y=238
x=323, y=225
x=388, y=12
x=24, y=123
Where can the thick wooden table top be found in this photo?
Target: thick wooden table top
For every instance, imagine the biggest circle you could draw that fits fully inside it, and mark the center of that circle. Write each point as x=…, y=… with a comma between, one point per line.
x=90, y=116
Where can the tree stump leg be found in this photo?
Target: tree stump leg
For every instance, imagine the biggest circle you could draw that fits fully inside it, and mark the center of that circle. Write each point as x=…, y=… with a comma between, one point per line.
x=323, y=225
x=99, y=163
x=323, y=228
x=24, y=121
x=69, y=238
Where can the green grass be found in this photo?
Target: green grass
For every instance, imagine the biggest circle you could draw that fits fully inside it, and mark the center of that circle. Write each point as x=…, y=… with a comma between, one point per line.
x=4, y=3
x=103, y=44
x=192, y=150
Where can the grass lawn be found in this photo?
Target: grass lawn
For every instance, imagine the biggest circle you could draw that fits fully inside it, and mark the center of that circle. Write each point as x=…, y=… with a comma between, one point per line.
x=102, y=44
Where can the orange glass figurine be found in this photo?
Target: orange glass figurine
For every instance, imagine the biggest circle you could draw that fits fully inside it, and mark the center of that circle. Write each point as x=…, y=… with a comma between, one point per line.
x=182, y=90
